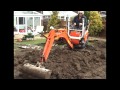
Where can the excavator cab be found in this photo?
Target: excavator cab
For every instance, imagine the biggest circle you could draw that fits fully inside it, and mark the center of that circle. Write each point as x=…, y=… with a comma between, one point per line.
x=78, y=36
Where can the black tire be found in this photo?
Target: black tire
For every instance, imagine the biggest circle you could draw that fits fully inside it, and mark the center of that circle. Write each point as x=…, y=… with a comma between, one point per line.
x=87, y=41
x=85, y=44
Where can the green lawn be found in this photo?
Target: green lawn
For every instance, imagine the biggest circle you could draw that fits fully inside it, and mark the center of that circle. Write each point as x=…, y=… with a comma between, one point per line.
x=39, y=42
x=33, y=42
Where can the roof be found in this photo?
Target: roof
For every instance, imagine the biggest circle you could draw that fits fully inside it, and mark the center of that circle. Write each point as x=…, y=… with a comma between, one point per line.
x=61, y=13
x=27, y=13
x=67, y=13
x=47, y=12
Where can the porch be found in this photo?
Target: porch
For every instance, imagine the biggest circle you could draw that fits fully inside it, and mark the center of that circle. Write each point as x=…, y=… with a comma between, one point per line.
x=27, y=20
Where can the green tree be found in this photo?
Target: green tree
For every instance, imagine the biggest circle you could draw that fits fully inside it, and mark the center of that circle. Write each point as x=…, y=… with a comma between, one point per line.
x=71, y=19
x=87, y=14
x=54, y=21
x=96, y=25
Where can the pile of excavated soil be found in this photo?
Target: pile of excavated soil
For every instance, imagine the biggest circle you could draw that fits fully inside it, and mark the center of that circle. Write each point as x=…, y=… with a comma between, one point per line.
x=87, y=63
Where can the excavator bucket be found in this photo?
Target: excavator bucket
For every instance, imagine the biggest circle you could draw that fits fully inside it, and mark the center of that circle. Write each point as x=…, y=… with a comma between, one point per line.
x=34, y=71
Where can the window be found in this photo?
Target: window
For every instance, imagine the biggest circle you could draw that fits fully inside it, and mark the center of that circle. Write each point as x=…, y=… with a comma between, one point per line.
x=43, y=16
x=48, y=16
x=30, y=21
x=36, y=21
x=40, y=12
x=62, y=17
x=21, y=20
x=103, y=12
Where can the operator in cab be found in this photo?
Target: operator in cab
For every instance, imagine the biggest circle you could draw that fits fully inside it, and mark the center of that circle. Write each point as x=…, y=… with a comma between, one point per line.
x=77, y=21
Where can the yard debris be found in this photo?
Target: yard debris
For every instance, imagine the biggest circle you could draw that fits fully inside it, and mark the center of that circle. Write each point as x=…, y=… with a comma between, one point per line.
x=31, y=47
x=19, y=40
x=23, y=47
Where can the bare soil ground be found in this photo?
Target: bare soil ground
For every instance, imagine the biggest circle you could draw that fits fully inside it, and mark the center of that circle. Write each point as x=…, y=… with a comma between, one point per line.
x=87, y=63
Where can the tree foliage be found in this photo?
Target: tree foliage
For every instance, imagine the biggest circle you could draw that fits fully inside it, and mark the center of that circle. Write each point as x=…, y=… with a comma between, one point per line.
x=87, y=14
x=54, y=21
x=96, y=25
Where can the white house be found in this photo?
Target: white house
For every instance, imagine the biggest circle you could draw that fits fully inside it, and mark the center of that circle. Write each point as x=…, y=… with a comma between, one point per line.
x=47, y=14
x=61, y=14
x=64, y=14
x=103, y=14
x=23, y=20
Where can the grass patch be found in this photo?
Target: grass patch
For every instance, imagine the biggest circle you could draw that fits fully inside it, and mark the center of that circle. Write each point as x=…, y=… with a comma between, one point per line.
x=90, y=43
x=32, y=42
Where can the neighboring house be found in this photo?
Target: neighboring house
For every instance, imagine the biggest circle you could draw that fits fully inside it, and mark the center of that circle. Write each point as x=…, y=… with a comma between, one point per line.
x=61, y=15
x=40, y=12
x=64, y=14
x=47, y=14
x=103, y=13
x=24, y=20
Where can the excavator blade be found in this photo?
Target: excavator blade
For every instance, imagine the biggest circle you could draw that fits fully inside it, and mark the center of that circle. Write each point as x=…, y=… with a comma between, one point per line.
x=39, y=72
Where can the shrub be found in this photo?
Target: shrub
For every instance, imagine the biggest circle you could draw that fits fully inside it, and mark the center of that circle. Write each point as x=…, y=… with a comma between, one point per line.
x=96, y=25
x=54, y=21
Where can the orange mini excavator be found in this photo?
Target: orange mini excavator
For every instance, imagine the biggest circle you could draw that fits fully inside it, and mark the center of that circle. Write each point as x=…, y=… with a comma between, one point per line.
x=73, y=37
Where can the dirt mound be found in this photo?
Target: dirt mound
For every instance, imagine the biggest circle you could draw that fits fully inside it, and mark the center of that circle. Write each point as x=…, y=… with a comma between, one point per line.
x=87, y=63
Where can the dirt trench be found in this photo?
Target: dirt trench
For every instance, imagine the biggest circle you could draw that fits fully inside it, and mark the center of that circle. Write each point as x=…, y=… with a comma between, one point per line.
x=87, y=63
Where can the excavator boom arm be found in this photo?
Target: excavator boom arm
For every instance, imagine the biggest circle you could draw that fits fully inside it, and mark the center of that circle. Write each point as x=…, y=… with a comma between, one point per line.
x=48, y=45
x=50, y=40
